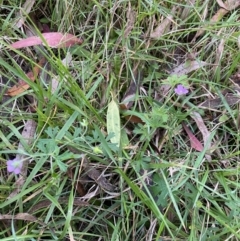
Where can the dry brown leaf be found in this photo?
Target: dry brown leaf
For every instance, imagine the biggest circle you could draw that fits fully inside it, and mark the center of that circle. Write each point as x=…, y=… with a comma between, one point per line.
x=221, y=4
x=129, y=96
x=91, y=193
x=201, y=126
x=134, y=119
x=187, y=67
x=232, y=4
x=219, y=54
x=235, y=79
x=25, y=10
x=98, y=177
x=162, y=27
x=78, y=185
x=195, y=143
x=187, y=10
x=22, y=85
x=128, y=99
x=218, y=15
x=131, y=16
x=205, y=133
x=214, y=104
x=63, y=200
x=93, y=173
x=21, y=216
x=229, y=5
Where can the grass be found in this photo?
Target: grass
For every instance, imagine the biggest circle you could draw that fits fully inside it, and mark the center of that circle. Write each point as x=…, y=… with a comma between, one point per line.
x=152, y=185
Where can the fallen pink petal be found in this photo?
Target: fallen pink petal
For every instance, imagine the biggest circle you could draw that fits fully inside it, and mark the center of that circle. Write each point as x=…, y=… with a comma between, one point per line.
x=181, y=90
x=14, y=166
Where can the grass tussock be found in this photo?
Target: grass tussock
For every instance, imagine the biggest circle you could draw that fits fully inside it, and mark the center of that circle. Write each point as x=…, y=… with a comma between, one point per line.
x=131, y=135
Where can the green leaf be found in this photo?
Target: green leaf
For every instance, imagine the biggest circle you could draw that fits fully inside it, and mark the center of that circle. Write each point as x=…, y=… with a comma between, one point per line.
x=124, y=138
x=113, y=122
x=67, y=125
x=223, y=118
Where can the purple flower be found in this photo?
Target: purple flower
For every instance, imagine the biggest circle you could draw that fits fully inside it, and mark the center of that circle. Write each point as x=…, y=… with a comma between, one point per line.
x=181, y=90
x=14, y=166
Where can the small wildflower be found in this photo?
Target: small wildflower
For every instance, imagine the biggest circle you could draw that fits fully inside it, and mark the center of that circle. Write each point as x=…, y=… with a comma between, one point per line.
x=181, y=90
x=14, y=166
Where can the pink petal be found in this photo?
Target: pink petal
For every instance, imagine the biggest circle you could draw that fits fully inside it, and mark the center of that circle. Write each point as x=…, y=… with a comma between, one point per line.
x=10, y=166
x=17, y=170
x=181, y=90
x=14, y=166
